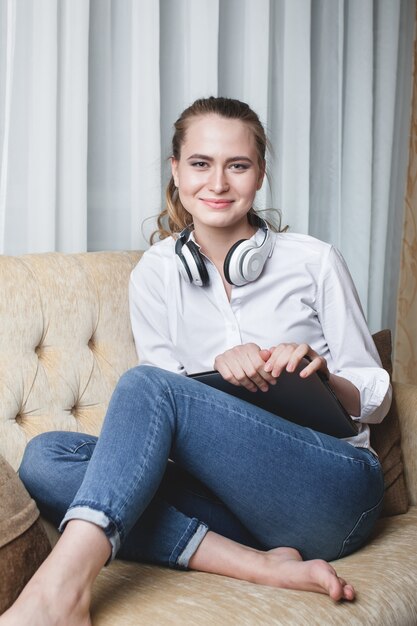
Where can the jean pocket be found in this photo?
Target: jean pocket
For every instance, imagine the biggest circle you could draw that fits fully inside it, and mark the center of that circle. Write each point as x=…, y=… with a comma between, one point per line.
x=361, y=530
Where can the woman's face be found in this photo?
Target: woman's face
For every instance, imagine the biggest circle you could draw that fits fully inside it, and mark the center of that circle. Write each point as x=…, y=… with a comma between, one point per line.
x=217, y=174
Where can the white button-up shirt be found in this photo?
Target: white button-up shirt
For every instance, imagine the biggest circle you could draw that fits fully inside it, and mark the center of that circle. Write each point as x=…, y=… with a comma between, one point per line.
x=305, y=294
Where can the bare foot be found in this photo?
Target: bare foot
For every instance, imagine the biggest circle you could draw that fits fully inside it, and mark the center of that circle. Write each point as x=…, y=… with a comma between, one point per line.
x=281, y=567
x=39, y=606
x=59, y=592
x=285, y=568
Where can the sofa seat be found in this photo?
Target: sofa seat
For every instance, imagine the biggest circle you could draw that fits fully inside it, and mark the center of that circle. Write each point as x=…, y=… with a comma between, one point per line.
x=384, y=573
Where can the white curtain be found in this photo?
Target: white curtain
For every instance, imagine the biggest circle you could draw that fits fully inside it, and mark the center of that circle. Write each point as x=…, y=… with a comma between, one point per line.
x=89, y=90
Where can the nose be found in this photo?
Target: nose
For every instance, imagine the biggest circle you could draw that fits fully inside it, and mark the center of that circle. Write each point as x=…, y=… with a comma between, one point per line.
x=218, y=180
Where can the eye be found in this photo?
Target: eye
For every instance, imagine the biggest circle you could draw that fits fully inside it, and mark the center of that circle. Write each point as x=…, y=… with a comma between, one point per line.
x=199, y=164
x=240, y=167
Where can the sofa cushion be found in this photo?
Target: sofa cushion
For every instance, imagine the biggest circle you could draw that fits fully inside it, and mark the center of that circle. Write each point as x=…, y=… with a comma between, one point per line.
x=386, y=441
x=65, y=340
x=23, y=541
x=383, y=573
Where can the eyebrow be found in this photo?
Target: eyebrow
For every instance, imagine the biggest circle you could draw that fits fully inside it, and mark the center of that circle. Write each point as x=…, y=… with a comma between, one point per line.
x=204, y=157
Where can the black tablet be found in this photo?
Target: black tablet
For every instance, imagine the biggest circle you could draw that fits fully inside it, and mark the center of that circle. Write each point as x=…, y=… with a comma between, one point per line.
x=309, y=402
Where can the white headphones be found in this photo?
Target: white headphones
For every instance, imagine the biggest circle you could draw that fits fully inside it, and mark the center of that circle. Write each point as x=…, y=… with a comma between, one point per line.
x=243, y=263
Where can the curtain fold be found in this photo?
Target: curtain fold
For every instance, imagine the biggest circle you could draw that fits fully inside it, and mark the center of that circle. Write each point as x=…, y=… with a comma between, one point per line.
x=295, y=148
x=42, y=114
x=7, y=63
x=357, y=139
x=386, y=62
x=89, y=91
x=72, y=125
x=145, y=138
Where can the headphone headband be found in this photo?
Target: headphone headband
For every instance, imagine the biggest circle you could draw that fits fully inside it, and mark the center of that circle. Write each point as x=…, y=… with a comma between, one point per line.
x=243, y=263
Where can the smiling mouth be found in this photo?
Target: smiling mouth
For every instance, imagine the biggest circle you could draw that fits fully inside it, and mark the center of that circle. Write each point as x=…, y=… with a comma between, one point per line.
x=217, y=203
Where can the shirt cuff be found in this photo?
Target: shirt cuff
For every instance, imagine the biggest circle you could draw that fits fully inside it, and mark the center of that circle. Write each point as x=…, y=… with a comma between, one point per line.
x=375, y=391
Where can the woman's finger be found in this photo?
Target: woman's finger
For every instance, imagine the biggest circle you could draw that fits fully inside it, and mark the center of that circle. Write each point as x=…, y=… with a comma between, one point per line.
x=318, y=364
x=279, y=359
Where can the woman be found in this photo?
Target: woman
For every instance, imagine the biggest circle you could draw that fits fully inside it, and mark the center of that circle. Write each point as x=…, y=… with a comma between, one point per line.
x=246, y=494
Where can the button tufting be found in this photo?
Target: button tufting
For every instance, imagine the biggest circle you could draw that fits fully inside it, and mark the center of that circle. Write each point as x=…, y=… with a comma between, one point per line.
x=39, y=351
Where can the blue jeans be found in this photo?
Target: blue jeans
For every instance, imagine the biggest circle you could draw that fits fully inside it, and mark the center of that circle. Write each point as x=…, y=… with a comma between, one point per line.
x=234, y=468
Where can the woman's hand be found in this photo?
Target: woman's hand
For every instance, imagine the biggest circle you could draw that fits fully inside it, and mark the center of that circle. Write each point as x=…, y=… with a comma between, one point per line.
x=289, y=355
x=245, y=365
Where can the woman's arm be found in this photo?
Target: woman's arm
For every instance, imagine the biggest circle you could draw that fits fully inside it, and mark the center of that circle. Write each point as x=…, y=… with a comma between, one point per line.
x=353, y=356
x=253, y=368
x=347, y=394
x=288, y=356
x=149, y=314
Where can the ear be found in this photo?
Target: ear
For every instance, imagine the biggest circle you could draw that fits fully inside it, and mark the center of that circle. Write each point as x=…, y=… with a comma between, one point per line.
x=261, y=177
x=174, y=170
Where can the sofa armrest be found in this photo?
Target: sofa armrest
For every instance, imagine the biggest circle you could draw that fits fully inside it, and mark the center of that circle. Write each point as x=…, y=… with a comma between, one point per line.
x=406, y=398
x=23, y=541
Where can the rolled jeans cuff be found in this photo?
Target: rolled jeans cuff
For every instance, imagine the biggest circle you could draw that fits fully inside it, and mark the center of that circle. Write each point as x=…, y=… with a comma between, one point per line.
x=193, y=537
x=180, y=555
x=98, y=518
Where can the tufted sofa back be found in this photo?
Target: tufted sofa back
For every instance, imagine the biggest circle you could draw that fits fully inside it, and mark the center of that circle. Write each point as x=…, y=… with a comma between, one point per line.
x=65, y=339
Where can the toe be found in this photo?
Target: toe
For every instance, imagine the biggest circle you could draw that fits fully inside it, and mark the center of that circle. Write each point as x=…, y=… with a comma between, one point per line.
x=348, y=592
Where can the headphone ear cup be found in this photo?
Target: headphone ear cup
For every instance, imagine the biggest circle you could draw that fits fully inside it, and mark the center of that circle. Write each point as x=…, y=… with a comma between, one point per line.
x=195, y=263
x=182, y=264
x=252, y=264
x=232, y=266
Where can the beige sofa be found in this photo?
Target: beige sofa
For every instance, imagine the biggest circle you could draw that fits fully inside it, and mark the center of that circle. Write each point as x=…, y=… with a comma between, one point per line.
x=64, y=341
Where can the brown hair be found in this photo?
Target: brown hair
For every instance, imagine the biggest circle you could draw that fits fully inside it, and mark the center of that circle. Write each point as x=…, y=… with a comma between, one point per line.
x=174, y=218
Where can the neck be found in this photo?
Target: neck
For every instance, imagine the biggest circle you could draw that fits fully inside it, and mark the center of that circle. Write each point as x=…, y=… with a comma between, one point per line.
x=216, y=242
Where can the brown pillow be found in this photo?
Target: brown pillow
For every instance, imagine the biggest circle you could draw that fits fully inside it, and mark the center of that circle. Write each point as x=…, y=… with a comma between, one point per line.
x=386, y=441
x=23, y=541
